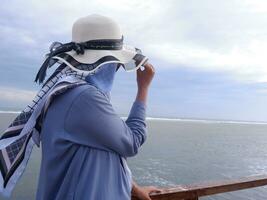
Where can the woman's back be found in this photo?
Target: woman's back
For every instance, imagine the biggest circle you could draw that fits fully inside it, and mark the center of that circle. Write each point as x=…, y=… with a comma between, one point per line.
x=75, y=167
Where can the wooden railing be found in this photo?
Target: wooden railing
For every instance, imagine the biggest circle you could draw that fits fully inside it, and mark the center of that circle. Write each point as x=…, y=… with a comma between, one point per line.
x=193, y=192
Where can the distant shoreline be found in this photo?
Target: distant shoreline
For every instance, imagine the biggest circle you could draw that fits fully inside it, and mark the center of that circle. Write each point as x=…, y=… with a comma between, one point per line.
x=203, y=120
x=9, y=112
x=179, y=119
x=206, y=120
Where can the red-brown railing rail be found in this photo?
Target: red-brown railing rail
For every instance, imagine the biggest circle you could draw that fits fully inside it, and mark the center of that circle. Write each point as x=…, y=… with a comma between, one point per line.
x=193, y=192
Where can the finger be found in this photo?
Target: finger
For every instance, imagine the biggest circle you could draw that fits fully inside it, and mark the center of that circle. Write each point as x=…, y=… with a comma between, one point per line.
x=150, y=68
x=147, y=65
x=155, y=189
x=142, y=68
x=148, y=197
x=138, y=71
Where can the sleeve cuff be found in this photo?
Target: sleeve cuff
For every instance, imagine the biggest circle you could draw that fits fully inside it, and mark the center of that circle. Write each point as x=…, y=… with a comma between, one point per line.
x=140, y=103
x=138, y=110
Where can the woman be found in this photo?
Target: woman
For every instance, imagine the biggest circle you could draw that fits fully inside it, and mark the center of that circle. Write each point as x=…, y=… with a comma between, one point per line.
x=84, y=142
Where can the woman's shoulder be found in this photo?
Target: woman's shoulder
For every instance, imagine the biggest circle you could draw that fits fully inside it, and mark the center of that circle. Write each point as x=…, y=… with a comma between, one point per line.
x=89, y=94
x=88, y=103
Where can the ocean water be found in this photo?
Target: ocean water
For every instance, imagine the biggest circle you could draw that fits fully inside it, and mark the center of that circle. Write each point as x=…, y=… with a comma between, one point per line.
x=183, y=152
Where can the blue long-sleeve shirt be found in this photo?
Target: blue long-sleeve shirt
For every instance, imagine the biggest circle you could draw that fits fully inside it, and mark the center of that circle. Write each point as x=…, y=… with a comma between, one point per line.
x=83, y=142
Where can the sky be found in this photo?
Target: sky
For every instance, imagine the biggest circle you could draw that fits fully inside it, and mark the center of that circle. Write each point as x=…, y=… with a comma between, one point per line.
x=209, y=55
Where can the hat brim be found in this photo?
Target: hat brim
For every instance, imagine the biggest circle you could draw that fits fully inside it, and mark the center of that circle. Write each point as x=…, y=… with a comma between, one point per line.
x=123, y=56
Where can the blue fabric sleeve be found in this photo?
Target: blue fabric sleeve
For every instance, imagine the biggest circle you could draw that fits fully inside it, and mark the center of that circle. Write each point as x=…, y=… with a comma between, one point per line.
x=92, y=121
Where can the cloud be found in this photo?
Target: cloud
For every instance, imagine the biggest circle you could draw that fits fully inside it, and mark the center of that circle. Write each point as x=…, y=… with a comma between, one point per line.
x=15, y=95
x=15, y=99
x=211, y=35
x=209, y=55
x=255, y=5
x=249, y=64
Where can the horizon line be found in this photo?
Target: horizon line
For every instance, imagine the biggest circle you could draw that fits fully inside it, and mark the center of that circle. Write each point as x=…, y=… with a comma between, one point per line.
x=179, y=119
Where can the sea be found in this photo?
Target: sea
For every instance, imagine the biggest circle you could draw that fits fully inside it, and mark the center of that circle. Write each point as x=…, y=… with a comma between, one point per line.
x=182, y=151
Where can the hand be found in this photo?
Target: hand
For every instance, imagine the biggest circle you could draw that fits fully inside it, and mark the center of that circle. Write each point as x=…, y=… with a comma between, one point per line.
x=142, y=193
x=145, y=77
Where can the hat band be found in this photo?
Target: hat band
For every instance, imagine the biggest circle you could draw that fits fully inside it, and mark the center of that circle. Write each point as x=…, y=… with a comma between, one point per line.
x=106, y=44
x=79, y=47
x=57, y=48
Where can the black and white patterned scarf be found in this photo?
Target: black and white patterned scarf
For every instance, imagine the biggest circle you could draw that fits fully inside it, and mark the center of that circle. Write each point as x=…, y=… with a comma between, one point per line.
x=18, y=139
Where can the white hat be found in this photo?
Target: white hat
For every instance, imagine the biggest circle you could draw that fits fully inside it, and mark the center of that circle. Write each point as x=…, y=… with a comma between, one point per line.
x=98, y=28
x=96, y=40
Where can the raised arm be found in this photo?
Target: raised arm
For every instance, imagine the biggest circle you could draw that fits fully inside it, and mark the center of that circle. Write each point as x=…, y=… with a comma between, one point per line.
x=92, y=121
x=144, y=79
